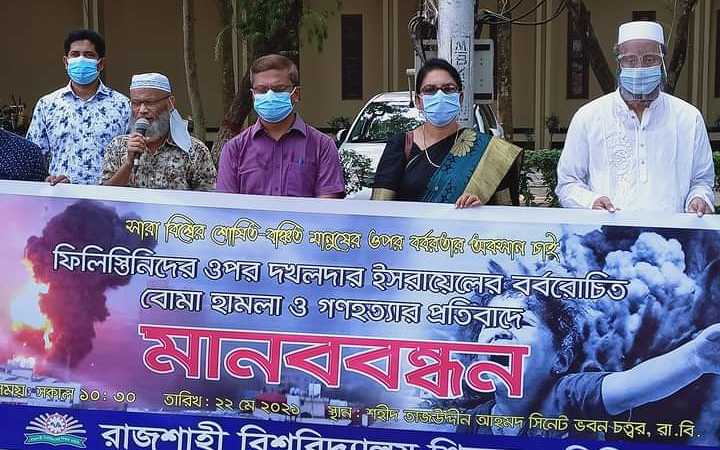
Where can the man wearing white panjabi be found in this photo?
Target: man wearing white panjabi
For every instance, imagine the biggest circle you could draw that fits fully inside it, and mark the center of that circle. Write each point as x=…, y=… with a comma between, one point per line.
x=638, y=148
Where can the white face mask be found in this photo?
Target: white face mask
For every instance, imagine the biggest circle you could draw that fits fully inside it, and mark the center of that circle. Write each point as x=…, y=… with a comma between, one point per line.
x=179, y=131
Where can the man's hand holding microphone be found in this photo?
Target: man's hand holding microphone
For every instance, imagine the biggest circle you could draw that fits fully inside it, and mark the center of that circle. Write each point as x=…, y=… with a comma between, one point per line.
x=137, y=143
x=136, y=146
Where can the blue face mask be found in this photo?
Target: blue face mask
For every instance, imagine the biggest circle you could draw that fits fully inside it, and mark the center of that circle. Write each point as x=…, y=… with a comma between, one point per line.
x=273, y=106
x=82, y=71
x=640, y=80
x=440, y=108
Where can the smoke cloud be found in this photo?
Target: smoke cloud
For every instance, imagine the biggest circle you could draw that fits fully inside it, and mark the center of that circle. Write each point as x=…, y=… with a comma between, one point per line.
x=75, y=301
x=674, y=293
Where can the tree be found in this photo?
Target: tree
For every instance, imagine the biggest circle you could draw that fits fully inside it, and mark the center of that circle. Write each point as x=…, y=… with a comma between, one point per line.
x=224, y=53
x=680, y=32
x=581, y=15
x=267, y=26
x=191, y=78
x=682, y=9
x=501, y=22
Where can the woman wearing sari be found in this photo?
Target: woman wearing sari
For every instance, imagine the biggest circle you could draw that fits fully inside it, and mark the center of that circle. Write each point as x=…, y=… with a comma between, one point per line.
x=440, y=162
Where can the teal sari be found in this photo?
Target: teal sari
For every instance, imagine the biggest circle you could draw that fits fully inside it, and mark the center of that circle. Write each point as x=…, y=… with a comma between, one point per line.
x=476, y=164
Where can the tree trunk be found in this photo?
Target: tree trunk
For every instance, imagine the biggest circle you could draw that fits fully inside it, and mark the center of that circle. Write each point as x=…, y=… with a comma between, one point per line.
x=503, y=48
x=193, y=87
x=286, y=40
x=679, y=45
x=234, y=117
x=598, y=62
x=227, y=71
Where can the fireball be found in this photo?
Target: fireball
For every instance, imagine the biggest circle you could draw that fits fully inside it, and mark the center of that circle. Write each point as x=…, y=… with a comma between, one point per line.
x=25, y=312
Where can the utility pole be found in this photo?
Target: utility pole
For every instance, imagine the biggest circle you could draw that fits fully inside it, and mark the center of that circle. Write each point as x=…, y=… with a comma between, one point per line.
x=456, y=33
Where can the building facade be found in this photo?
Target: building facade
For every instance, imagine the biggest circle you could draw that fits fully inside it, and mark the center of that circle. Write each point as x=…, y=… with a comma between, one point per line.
x=366, y=52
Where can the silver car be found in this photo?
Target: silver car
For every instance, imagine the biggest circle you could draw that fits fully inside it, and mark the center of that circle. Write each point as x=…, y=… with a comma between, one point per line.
x=388, y=114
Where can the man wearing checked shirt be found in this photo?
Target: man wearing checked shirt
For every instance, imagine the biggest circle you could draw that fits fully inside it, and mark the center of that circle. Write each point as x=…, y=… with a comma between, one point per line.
x=74, y=124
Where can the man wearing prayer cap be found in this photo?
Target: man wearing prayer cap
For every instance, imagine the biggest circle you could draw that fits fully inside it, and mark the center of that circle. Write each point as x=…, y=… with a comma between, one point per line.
x=638, y=148
x=166, y=157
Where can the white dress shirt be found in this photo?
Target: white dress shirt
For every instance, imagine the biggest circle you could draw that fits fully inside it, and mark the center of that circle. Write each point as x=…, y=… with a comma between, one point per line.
x=660, y=163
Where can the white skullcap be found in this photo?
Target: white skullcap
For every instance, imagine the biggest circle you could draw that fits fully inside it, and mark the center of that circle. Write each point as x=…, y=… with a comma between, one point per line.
x=151, y=81
x=651, y=31
x=178, y=127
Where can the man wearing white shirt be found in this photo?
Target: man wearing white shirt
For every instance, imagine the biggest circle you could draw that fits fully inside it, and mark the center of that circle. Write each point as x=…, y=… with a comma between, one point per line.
x=638, y=148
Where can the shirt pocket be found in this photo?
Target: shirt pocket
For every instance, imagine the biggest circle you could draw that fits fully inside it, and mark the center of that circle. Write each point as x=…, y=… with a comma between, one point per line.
x=301, y=178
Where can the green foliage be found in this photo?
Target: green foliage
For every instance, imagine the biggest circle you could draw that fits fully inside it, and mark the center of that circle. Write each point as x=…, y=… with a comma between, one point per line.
x=552, y=122
x=314, y=25
x=262, y=21
x=340, y=123
x=356, y=170
x=539, y=166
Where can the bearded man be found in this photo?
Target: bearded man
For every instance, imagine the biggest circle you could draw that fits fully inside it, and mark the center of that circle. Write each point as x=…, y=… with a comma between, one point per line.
x=166, y=156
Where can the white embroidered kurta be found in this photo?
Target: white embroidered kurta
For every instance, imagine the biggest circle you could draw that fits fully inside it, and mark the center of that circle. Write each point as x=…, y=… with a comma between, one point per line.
x=659, y=164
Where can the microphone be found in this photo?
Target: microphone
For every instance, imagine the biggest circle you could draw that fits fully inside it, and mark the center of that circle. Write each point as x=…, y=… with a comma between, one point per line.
x=141, y=127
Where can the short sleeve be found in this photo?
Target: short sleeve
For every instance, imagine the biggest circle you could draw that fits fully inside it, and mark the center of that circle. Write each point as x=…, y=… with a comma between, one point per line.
x=113, y=157
x=579, y=395
x=330, y=179
x=37, y=132
x=125, y=114
x=227, y=177
x=204, y=173
x=391, y=168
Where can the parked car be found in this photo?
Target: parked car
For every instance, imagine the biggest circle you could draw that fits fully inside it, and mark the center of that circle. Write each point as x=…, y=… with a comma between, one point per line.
x=388, y=114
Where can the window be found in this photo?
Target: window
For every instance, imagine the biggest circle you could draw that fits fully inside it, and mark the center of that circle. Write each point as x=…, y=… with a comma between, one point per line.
x=578, y=70
x=351, y=60
x=381, y=120
x=649, y=16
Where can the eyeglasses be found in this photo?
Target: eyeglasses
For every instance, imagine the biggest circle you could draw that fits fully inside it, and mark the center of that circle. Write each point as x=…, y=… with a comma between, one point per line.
x=149, y=104
x=648, y=60
x=86, y=54
x=446, y=88
x=264, y=89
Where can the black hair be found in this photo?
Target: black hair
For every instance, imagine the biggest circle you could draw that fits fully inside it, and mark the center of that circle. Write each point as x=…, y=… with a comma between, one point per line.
x=86, y=35
x=562, y=317
x=436, y=64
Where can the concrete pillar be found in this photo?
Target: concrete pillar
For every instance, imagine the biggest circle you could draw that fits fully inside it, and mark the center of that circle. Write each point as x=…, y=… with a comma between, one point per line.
x=456, y=30
x=396, y=30
x=387, y=21
x=540, y=71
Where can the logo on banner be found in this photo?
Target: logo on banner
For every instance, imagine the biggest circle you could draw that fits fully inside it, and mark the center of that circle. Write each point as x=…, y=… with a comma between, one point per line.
x=56, y=430
x=582, y=447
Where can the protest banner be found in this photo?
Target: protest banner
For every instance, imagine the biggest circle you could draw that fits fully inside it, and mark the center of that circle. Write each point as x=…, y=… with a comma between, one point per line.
x=176, y=320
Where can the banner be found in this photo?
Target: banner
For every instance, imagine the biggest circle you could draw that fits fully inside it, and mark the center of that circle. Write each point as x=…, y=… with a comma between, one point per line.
x=134, y=319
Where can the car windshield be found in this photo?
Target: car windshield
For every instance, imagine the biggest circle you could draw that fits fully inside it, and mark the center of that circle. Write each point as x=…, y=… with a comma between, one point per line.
x=381, y=120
